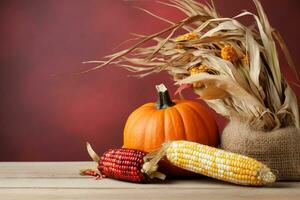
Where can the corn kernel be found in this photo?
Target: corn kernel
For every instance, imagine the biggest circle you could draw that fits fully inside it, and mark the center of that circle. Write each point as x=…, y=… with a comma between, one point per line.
x=228, y=53
x=187, y=36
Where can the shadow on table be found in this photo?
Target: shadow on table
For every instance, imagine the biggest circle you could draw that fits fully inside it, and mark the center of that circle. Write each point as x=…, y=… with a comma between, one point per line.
x=210, y=181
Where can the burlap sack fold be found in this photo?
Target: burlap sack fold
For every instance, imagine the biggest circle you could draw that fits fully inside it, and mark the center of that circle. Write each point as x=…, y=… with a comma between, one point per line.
x=278, y=149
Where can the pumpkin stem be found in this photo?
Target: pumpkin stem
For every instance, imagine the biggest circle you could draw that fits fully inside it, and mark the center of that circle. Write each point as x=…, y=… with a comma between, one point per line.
x=164, y=100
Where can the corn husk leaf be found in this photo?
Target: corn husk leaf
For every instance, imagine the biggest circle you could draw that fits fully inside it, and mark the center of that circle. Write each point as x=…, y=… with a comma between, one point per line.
x=246, y=82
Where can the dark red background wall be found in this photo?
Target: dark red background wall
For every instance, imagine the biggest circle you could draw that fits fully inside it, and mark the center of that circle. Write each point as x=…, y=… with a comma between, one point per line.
x=43, y=117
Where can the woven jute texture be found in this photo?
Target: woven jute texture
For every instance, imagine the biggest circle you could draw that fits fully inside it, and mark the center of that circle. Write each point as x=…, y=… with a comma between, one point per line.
x=278, y=149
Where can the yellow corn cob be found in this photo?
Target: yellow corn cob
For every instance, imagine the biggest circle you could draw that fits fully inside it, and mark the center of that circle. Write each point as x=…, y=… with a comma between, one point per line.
x=215, y=163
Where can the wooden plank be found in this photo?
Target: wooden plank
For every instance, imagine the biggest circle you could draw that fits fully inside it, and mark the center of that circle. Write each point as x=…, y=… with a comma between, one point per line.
x=65, y=175
x=91, y=183
x=49, y=180
x=43, y=169
x=170, y=194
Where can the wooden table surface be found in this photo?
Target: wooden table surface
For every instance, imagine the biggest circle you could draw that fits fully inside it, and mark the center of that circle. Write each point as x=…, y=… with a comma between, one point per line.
x=60, y=180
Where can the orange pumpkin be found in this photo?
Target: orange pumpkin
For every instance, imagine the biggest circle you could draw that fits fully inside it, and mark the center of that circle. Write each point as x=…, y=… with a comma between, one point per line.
x=154, y=123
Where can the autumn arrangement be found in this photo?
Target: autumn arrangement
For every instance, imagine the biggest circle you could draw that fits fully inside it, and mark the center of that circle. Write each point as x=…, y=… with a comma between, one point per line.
x=235, y=69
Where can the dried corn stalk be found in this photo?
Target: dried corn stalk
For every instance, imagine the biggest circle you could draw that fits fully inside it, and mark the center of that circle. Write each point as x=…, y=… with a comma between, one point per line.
x=240, y=75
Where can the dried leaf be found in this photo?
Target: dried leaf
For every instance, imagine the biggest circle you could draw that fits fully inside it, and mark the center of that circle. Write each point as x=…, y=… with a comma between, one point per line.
x=250, y=88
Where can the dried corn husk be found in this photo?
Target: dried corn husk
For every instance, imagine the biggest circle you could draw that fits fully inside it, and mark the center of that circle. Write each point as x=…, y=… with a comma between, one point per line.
x=247, y=83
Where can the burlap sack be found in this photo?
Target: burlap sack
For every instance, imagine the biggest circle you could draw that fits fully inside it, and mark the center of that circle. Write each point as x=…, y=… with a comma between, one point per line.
x=279, y=149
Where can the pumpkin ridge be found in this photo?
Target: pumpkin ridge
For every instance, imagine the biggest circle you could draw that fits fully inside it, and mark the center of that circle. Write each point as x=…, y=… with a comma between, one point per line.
x=148, y=133
x=212, y=132
x=202, y=121
x=136, y=118
x=151, y=112
x=143, y=108
x=182, y=121
x=192, y=120
x=164, y=123
x=171, y=117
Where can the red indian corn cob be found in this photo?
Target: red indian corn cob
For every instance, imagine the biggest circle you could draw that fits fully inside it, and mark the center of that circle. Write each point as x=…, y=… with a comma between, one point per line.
x=122, y=164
